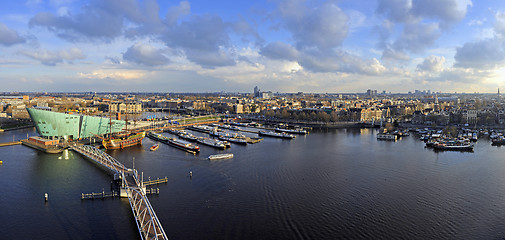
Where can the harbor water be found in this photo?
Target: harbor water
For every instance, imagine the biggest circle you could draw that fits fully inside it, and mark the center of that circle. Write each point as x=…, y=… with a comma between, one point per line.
x=334, y=184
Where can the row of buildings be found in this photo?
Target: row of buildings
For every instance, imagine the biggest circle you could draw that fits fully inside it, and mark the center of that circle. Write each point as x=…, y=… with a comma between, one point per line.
x=368, y=107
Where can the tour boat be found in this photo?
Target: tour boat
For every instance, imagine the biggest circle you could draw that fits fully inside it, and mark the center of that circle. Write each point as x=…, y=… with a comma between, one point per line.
x=221, y=156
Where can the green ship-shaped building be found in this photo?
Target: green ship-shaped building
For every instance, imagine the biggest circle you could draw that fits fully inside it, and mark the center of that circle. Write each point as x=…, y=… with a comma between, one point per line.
x=72, y=126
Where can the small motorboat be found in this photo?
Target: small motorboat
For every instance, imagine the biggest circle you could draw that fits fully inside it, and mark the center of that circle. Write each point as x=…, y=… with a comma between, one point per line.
x=154, y=147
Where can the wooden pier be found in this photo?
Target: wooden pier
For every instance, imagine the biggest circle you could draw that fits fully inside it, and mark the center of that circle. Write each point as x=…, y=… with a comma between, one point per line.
x=10, y=143
x=99, y=195
x=132, y=187
x=114, y=194
x=155, y=182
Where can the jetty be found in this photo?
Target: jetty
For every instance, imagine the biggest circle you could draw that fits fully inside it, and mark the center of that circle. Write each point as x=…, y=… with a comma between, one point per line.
x=5, y=144
x=132, y=187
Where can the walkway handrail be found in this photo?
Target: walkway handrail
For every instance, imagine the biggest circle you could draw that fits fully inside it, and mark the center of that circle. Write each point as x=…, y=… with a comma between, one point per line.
x=146, y=219
x=102, y=157
x=147, y=222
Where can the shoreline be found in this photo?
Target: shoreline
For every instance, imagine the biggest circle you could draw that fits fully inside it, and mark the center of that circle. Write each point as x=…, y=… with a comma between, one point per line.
x=16, y=128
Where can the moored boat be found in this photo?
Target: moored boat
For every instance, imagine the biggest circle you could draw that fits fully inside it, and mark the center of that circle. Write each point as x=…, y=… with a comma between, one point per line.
x=184, y=145
x=454, y=145
x=212, y=142
x=157, y=137
x=295, y=131
x=276, y=134
x=233, y=140
x=384, y=136
x=500, y=140
x=187, y=136
x=202, y=128
x=122, y=141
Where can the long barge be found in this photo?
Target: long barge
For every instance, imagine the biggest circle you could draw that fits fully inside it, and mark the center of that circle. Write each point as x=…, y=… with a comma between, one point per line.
x=212, y=143
x=292, y=131
x=450, y=147
x=177, y=143
x=276, y=134
x=202, y=128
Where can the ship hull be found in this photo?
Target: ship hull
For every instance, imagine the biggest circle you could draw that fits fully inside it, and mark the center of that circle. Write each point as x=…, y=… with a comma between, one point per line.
x=182, y=146
x=133, y=140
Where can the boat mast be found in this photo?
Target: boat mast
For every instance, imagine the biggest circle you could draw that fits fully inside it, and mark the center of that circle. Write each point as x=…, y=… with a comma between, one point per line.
x=110, y=124
x=126, y=119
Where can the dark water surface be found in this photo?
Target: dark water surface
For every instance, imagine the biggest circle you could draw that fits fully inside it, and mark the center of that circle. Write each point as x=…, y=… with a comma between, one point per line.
x=326, y=185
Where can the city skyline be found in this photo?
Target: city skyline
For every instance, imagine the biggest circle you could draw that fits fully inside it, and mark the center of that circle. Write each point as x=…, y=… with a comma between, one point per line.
x=280, y=46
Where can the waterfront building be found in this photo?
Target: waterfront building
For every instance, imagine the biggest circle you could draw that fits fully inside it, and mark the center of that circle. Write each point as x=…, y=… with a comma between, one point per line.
x=371, y=115
x=238, y=108
x=129, y=107
x=470, y=116
x=65, y=126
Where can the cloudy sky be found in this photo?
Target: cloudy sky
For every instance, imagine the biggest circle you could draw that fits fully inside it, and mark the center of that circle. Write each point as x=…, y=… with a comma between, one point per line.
x=278, y=45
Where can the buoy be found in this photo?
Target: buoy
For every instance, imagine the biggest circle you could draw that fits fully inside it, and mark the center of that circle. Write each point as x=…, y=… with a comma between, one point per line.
x=46, y=196
x=1, y=162
x=190, y=174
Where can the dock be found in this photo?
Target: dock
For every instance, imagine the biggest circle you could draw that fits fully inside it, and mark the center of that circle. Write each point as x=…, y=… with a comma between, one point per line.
x=132, y=187
x=155, y=182
x=253, y=140
x=5, y=144
x=113, y=194
x=41, y=147
x=100, y=195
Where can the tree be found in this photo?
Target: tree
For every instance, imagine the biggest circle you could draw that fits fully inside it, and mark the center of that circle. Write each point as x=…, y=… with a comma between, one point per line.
x=451, y=131
x=313, y=116
x=302, y=116
x=333, y=117
x=285, y=114
x=390, y=127
x=253, y=108
x=322, y=116
x=269, y=113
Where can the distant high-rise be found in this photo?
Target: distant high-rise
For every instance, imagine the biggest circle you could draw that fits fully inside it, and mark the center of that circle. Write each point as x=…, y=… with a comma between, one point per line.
x=257, y=92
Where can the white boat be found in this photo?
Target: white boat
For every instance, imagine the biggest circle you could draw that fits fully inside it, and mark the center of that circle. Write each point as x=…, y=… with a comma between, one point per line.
x=212, y=142
x=220, y=156
x=295, y=131
x=276, y=134
x=383, y=136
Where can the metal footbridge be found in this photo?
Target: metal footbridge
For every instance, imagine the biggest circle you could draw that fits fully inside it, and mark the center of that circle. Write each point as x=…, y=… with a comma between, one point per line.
x=131, y=187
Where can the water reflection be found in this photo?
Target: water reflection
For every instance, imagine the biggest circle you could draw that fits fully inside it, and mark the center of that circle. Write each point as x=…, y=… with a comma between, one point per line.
x=339, y=183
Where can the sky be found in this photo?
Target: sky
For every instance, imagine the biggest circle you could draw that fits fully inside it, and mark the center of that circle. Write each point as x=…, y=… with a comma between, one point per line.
x=341, y=46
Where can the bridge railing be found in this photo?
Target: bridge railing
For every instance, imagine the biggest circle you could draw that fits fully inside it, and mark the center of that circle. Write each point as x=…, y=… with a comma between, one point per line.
x=145, y=217
x=147, y=222
x=102, y=157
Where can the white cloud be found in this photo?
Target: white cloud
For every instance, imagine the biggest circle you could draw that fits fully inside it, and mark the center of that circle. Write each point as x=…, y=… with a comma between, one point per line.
x=51, y=58
x=116, y=74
